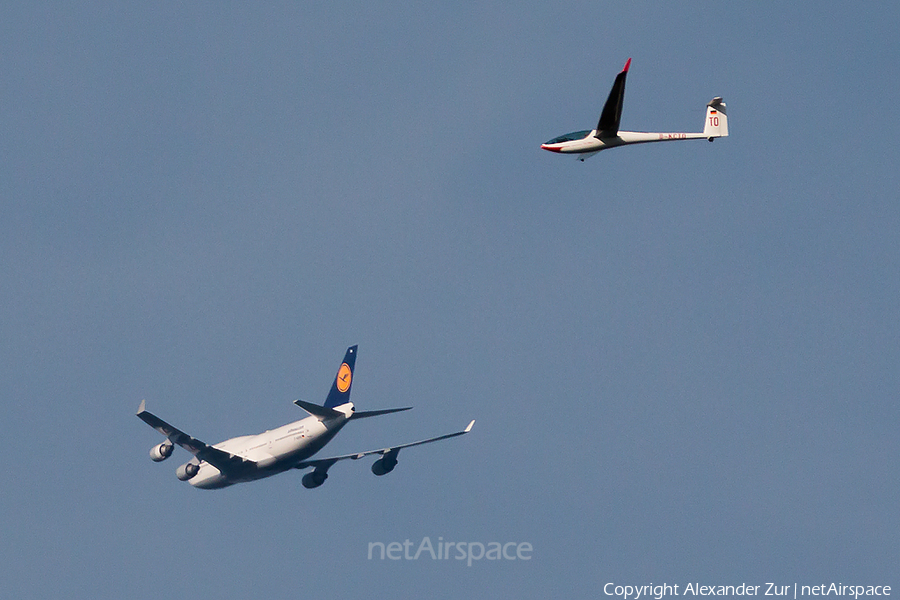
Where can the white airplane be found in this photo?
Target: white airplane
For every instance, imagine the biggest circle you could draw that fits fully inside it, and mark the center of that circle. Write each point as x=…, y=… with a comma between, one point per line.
x=587, y=143
x=290, y=446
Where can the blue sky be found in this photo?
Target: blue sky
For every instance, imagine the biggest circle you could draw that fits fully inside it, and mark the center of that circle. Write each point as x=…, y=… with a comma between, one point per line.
x=682, y=358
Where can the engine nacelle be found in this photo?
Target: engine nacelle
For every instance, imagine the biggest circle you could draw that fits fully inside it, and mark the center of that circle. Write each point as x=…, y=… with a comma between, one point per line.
x=314, y=479
x=187, y=470
x=384, y=465
x=161, y=452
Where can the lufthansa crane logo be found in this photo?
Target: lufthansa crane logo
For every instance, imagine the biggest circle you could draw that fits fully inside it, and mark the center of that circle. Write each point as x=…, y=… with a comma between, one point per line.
x=343, y=378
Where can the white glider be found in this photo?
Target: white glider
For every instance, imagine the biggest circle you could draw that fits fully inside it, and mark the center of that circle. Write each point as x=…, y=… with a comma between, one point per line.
x=584, y=144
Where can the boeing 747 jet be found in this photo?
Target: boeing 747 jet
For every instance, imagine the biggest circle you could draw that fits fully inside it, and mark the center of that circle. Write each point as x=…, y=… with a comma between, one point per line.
x=584, y=144
x=290, y=446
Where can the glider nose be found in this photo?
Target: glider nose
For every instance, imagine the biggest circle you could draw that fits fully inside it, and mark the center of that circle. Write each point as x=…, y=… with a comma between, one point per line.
x=551, y=148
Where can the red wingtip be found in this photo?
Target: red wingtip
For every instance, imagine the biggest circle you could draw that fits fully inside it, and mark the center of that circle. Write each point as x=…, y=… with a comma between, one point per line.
x=627, y=64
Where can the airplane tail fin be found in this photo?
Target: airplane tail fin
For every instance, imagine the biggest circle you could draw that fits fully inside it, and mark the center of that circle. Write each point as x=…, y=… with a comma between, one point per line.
x=340, y=389
x=716, y=124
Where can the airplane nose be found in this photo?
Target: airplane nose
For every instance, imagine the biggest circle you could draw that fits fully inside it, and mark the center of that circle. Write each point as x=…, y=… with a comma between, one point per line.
x=550, y=148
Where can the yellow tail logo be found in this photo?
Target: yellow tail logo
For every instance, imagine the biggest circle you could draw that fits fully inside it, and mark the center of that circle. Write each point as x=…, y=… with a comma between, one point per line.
x=344, y=377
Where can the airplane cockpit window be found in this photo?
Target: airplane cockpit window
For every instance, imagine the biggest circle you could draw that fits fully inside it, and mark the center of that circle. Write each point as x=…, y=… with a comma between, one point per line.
x=575, y=135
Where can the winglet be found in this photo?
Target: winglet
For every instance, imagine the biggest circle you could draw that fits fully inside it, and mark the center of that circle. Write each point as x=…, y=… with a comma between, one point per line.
x=469, y=427
x=141, y=407
x=627, y=64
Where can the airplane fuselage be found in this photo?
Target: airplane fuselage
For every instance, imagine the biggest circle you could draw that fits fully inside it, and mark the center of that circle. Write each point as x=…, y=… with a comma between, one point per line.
x=271, y=452
x=588, y=143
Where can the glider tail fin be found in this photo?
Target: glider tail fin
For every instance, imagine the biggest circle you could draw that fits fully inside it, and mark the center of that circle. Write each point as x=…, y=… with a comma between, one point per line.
x=716, y=124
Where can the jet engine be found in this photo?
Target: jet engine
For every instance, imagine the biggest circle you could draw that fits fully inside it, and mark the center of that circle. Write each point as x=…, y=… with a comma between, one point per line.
x=161, y=452
x=187, y=470
x=385, y=464
x=314, y=479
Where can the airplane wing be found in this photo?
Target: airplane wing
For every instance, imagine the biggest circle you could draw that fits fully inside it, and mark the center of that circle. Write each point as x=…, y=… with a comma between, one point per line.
x=223, y=461
x=325, y=463
x=608, y=126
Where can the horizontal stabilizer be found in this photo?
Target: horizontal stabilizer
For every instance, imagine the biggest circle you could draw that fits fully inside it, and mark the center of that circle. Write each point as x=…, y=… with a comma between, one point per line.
x=318, y=411
x=374, y=413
